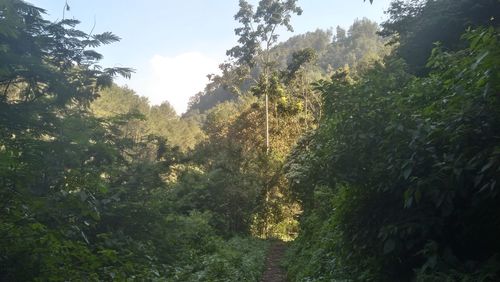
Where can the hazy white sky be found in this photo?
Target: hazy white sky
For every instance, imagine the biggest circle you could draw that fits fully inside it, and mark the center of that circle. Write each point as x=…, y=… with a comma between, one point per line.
x=174, y=44
x=178, y=77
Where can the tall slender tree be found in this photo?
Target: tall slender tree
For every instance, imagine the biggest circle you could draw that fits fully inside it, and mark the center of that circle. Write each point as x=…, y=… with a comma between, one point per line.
x=257, y=36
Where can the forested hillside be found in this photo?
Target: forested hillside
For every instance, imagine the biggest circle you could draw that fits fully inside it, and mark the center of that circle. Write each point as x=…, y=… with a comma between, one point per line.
x=372, y=151
x=357, y=47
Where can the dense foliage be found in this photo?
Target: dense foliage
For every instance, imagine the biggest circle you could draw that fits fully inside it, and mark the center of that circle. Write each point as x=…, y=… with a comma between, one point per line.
x=416, y=25
x=399, y=182
x=84, y=194
x=380, y=153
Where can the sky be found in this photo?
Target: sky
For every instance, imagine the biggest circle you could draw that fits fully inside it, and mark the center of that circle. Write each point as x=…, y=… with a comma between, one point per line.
x=174, y=44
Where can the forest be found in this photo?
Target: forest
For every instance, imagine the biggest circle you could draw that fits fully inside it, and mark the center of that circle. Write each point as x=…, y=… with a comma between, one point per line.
x=361, y=153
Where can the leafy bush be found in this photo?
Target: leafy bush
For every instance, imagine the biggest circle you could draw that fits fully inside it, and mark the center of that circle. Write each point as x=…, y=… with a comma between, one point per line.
x=239, y=259
x=411, y=169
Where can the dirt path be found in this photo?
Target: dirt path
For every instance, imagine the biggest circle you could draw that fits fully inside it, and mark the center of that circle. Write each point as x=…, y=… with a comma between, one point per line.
x=273, y=271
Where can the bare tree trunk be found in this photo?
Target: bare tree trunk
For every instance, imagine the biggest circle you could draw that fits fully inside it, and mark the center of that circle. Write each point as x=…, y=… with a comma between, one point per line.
x=304, y=92
x=267, y=124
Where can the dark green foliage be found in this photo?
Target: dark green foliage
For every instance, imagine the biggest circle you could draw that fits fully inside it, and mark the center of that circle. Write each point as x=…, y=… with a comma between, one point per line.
x=300, y=59
x=417, y=25
x=50, y=161
x=397, y=175
x=84, y=195
x=400, y=180
x=238, y=259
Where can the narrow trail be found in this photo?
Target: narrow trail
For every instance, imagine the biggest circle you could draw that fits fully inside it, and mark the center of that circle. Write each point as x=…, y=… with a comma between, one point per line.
x=273, y=271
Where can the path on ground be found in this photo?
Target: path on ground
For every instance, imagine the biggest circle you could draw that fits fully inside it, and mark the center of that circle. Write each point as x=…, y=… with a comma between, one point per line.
x=273, y=271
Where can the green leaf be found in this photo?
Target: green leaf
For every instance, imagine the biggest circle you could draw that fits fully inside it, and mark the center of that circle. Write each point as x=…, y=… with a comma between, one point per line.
x=103, y=188
x=481, y=58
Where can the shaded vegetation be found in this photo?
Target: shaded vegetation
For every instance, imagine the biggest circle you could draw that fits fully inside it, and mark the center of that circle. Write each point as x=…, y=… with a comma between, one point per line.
x=375, y=150
x=84, y=191
x=399, y=181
